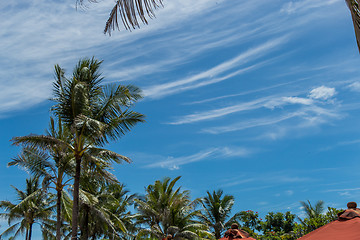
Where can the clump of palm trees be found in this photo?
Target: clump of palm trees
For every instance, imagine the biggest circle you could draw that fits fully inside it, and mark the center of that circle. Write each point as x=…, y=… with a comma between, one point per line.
x=89, y=114
x=163, y=210
x=71, y=193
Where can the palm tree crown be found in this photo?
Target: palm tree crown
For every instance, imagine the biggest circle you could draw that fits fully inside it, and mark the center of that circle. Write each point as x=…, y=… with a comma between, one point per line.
x=216, y=211
x=34, y=206
x=96, y=114
x=167, y=210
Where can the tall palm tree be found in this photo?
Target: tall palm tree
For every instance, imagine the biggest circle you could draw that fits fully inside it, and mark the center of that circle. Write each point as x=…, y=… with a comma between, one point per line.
x=166, y=210
x=216, y=211
x=55, y=164
x=34, y=206
x=96, y=114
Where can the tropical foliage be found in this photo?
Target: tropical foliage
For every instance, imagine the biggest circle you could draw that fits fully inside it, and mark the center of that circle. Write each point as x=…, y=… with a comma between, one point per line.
x=33, y=206
x=166, y=210
x=86, y=116
x=314, y=217
x=216, y=212
x=96, y=114
x=89, y=115
x=54, y=162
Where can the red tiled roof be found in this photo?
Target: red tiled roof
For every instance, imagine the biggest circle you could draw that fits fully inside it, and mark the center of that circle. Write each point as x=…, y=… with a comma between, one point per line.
x=346, y=228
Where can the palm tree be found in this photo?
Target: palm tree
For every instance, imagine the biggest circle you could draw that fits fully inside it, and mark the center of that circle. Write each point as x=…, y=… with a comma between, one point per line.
x=96, y=114
x=355, y=15
x=168, y=211
x=102, y=208
x=314, y=217
x=117, y=200
x=313, y=211
x=54, y=164
x=34, y=206
x=216, y=211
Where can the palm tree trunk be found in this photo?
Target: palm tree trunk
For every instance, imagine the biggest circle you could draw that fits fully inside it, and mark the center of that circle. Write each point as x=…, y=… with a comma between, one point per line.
x=27, y=234
x=75, y=212
x=85, y=233
x=58, y=215
x=30, y=231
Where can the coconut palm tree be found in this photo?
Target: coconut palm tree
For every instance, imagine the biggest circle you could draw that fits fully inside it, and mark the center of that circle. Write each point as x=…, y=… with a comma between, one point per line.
x=314, y=217
x=166, y=210
x=102, y=208
x=216, y=211
x=313, y=211
x=54, y=162
x=117, y=201
x=34, y=206
x=96, y=114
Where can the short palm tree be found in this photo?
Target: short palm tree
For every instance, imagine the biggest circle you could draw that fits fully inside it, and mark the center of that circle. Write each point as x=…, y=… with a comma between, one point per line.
x=117, y=201
x=98, y=204
x=34, y=206
x=166, y=210
x=54, y=162
x=216, y=211
x=314, y=217
x=96, y=114
x=312, y=211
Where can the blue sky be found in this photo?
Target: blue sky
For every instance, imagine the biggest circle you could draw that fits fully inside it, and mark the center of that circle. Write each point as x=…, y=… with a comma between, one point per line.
x=258, y=98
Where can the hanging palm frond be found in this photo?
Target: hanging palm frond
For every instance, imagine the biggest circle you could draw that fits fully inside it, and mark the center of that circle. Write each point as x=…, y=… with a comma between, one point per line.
x=355, y=15
x=130, y=11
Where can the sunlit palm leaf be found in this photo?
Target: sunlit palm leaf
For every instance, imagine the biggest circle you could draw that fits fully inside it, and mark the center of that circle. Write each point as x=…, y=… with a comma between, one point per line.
x=34, y=160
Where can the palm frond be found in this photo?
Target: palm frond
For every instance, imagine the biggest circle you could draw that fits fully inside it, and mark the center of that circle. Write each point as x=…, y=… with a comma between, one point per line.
x=130, y=11
x=38, y=141
x=34, y=160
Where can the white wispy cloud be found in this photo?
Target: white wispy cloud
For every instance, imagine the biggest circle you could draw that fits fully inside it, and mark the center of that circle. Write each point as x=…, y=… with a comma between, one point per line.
x=289, y=192
x=342, y=190
x=162, y=90
x=322, y=93
x=355, y=86
x=298, y=100
x=270, y=102
x=275, y=178
x=292, y=7
x=250, y=124
x=36, y=35
x=174, y=163
x=216, y=113
x=306, y=117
